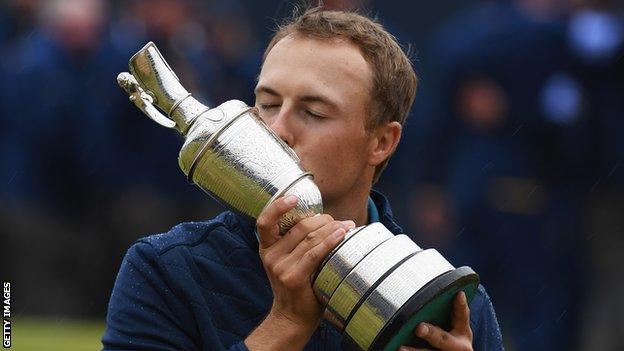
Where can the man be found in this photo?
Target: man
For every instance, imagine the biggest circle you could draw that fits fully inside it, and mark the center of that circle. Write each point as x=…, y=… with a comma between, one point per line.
x=336, y=87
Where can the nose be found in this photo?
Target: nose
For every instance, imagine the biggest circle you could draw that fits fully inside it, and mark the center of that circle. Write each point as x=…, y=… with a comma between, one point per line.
x=282, y=125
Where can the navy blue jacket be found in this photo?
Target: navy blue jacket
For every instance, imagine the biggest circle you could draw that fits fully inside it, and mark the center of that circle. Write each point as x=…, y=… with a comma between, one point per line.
x=202, y=286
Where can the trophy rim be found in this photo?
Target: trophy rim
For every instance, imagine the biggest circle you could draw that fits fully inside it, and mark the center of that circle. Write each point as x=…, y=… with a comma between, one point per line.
x=283, y=191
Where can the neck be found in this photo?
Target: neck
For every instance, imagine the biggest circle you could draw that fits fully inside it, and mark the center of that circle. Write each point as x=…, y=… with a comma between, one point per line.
x=353, y=207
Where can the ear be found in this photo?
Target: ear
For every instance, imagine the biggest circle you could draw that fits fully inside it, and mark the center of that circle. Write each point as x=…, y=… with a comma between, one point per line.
x=384, y=141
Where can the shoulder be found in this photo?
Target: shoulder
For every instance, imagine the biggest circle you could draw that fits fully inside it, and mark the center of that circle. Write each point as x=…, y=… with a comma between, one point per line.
x=181, y=281
x=225, y=233
x=190, y=234
x=186, y=246
x=191, y=251
x=484, y=324
x=201, y=281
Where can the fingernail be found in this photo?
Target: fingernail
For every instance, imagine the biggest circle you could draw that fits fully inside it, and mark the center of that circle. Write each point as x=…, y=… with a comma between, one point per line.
x=290, y=200
x=349, y=224
x=462, y=297
x=423, y=329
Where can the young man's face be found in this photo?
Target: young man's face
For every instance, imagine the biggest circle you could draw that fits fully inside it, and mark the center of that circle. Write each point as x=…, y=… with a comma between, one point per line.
x=314, y=94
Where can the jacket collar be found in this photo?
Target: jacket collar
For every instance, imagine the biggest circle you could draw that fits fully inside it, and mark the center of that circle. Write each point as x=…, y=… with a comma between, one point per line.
x=385, y=212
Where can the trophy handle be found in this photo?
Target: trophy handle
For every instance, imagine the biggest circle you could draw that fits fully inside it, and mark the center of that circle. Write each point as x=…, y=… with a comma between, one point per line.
x=142, y=99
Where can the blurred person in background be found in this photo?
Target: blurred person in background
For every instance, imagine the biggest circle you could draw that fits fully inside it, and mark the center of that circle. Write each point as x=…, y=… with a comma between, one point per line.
x=17, y=17
x=56, y=108
x=235, y=49
x=495, y=158
x=77, y=173
x=595, y=42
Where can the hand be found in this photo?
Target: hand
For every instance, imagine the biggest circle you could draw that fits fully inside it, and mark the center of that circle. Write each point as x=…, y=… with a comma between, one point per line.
x=290, y=262
x=458, y=339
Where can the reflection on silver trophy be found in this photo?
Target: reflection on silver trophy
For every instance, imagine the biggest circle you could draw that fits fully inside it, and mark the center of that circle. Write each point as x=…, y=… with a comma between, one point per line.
x=375, y=287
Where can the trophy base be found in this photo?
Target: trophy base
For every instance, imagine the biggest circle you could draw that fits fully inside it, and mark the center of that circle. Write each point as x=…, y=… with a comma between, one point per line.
x=432, y=304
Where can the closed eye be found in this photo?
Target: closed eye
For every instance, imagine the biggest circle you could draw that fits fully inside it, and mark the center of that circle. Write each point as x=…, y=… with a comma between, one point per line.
x=313, y=115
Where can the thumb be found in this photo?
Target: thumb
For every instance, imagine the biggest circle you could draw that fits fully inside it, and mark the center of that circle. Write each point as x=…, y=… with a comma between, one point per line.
x=267, y=223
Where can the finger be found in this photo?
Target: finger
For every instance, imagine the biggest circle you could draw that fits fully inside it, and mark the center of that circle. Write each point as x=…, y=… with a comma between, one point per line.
x=461, y=315
x=314, y=238
x=267, y=223
x=311, y=240
x=437, y=337
x=313, y=257
x=300, y=232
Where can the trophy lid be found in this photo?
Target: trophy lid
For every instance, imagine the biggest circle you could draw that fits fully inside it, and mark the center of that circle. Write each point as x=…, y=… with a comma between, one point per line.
x=156, y=76
x=152, y=84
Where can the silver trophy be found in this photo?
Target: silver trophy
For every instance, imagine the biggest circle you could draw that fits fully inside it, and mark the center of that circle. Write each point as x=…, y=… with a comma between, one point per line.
x=375, y=287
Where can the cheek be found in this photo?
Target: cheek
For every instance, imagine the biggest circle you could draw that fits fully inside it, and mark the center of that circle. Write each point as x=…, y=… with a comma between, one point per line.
x=321, y=157
x=341, y=156
x=334, y=154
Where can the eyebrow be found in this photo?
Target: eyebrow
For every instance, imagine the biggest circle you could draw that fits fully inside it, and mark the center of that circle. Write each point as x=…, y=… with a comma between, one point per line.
x=265, y=89
x=306, y=98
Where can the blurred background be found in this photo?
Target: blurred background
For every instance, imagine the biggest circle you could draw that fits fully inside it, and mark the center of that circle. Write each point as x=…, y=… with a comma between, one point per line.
x=512, y=161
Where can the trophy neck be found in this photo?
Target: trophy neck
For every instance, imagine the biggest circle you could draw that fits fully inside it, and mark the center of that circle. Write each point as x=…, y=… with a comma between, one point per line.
x=186, y=112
